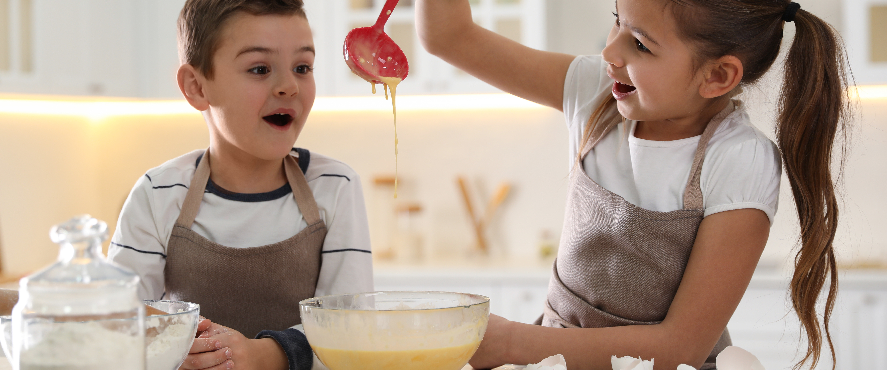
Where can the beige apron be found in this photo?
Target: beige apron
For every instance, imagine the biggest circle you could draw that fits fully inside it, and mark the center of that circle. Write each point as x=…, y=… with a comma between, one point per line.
x=620, y=264
x=247, y=289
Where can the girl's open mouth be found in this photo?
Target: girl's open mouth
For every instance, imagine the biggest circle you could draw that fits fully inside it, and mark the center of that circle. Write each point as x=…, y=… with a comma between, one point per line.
x=278, y=119
x=622, y=91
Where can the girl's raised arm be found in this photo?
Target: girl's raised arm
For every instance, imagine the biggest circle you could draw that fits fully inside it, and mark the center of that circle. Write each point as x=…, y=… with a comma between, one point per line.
x=447, y=30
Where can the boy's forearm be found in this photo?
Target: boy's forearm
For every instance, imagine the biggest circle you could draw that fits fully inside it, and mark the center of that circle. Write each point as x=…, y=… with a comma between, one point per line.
x=272, y=354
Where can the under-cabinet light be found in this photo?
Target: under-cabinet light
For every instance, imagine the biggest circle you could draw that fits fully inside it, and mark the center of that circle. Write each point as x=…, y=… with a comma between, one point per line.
x=96, y=109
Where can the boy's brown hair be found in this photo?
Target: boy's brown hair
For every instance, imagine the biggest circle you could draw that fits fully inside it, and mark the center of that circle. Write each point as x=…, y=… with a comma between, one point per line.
x=201, y=21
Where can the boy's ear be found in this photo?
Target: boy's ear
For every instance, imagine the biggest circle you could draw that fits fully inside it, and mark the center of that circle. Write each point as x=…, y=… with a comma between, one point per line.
x=191, y=84
x=721, y=76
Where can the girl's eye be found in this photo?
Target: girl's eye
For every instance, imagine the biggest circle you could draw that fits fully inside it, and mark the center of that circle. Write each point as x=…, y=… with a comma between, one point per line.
x=617, y=17
x=641, y=46
x=303, y=69
x=260, y=70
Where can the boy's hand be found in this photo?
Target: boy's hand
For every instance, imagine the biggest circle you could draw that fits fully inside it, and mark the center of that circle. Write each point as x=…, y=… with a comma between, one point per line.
x=218, y=347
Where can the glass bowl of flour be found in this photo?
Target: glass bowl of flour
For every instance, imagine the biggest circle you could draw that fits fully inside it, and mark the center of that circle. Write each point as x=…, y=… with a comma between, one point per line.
x=168, y=337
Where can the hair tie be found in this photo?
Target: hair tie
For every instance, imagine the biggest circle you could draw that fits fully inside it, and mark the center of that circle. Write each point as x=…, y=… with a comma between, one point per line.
x=790, y=12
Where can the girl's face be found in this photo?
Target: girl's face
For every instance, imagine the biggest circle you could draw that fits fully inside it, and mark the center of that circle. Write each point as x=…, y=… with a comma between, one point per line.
x=652, y=67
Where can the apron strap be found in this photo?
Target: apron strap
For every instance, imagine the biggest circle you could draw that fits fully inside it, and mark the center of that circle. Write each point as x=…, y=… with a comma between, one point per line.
x=693, y=190
x=301, y=192
x=195, y=193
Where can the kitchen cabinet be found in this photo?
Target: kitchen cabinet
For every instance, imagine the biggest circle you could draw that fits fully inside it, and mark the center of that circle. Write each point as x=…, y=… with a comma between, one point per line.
x=68, y=47
x=763, y=323
x=520, y=20
x=128, y=47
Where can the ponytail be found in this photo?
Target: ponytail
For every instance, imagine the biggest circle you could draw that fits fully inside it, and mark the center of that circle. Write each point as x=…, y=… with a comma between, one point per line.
x=814, y=109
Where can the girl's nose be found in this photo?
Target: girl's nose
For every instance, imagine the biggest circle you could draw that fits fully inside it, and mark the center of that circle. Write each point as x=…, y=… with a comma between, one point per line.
x=611, y=53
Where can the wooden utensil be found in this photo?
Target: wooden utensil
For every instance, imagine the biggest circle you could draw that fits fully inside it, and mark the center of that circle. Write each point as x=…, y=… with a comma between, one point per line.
x=475, y=221
x=480, y=222
x=501, y=194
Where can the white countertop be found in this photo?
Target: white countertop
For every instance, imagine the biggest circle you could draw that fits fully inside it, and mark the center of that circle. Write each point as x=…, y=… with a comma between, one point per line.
x=5, y=365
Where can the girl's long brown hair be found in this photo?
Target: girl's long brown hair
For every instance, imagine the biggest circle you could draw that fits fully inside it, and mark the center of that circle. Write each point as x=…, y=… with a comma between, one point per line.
x=814, y=110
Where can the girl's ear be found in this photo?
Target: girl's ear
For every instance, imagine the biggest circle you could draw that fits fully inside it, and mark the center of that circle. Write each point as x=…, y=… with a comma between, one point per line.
x=191, y=84
x=721, y=76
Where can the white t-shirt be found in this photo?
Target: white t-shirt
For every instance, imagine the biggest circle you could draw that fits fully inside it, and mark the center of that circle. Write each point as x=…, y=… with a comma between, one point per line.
x=247, y=220
x=741, y=169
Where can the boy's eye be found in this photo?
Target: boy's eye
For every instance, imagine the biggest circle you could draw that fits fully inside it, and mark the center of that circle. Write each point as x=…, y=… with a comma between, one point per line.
x=641, y=46
x=303, y=69
x=260, y=70
x=617, y=17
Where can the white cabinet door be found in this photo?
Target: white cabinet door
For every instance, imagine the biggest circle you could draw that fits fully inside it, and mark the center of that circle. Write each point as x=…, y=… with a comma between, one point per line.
x=765, y=326
x=156, y=58
x=82, y=47
x=860, y=329
x=524, y=302
x=764, y=323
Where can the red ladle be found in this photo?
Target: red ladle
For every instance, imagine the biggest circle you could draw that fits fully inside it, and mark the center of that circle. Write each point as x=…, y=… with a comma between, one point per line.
x=371, y=54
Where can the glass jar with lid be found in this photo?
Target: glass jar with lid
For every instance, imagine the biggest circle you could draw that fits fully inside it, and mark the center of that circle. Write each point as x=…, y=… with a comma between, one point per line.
x=82, y=312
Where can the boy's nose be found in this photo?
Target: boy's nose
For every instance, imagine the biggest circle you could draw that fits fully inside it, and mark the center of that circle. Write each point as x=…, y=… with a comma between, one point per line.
x=288, y=87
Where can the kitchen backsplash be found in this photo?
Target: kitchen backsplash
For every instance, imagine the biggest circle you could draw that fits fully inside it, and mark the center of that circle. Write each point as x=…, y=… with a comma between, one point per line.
x=56, y=166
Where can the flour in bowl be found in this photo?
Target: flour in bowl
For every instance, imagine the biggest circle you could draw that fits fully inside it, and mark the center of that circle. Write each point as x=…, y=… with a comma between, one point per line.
x=82, y=346
x=167, y=349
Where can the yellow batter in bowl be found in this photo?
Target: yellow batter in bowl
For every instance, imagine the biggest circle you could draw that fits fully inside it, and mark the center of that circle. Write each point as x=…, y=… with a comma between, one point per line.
x=395, y=330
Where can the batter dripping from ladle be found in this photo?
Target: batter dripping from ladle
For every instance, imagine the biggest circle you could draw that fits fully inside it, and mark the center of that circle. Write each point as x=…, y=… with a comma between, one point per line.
x=391, y=83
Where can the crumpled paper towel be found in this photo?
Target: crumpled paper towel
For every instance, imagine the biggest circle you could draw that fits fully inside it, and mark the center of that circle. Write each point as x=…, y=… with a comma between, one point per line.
x=556, y=362
x=731, y=358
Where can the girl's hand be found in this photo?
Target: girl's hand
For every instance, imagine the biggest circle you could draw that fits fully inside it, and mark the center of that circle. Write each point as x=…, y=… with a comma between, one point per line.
x=221, y=348
x=494, y=348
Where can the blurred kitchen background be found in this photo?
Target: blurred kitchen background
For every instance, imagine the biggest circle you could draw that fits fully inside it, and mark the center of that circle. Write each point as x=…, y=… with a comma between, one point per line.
x=88, y=103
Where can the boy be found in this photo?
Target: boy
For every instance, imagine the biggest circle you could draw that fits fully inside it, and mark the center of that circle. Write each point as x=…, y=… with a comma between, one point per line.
x=250, y=226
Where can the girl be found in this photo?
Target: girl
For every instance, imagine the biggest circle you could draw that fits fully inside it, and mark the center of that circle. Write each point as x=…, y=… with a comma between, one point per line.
x=673, y=191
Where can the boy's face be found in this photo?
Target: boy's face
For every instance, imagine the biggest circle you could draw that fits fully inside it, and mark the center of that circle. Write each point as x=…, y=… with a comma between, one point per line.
x=263, y=85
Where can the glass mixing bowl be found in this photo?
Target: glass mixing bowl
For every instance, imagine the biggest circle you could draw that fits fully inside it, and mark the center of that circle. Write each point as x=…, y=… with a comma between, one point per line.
x=395, y=330
x=168, y=337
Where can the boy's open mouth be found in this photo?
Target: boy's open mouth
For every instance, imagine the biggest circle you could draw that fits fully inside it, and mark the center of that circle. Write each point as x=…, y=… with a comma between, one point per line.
x=278, y=119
